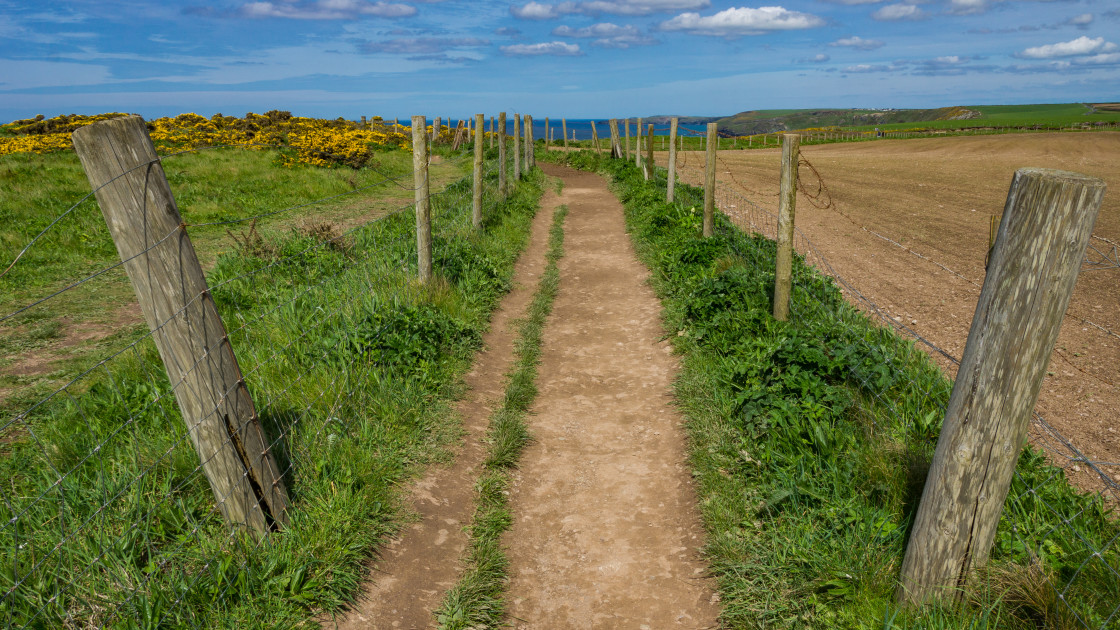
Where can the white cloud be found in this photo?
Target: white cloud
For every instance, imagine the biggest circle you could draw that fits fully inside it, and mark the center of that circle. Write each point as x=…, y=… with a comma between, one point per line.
x=607, y=35
x=559, y=49
x=1102, y=59
x=326, y=10
x=898, y=12
x=1081, y=46
x=742, y=21
x=817, y=58
x=858, y=43
x=853, y=2
x=544, y=11
x=967, y=7
x=1081, y=21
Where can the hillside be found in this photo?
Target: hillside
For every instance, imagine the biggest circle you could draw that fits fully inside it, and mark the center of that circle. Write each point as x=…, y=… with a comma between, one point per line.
x=769, y=121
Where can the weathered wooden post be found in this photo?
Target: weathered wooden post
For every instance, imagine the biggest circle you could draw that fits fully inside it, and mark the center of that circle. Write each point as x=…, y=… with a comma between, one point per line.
x=530, y=156
x=638, y=144
x=649, y=154
x=595, y=138
x=787, y=211
x=672, y=160
x=136, y=201
x=710, y=184
x=1045, y=230
x=459, y=129
x=436, y=124
x=516, y=147
x=423, y=199
x=616, y=145
x=503, y=179
x=564, y=130
x=476, y=196
x=492, y=134
x=626, y=133
x=547, y=134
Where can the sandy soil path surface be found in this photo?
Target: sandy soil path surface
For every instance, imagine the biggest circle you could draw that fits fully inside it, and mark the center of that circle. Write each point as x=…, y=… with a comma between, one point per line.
x=936, y=196
x=415, y=571
x=606, y=533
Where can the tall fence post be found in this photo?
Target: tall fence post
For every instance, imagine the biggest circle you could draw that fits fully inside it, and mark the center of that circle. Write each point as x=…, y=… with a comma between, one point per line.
x=787, y=213
x=626, y=130
x=136, y=201
x=516, y=147
x=530, y=157
x=670, y=192
x=1047, y=222
x=616, y=144
x=638, y=144
x=423, y=200
x=476, y=197
x=492, y=135
x=649, y=153
x=436, y=124
x=503, y=179
x=595, y=137
x=547, y=134
x=710, y=184
x=564, y=130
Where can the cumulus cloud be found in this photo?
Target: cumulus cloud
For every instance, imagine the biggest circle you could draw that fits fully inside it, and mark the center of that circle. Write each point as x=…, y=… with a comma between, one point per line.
x=1081, y=46
x=742, y=21
x=607, y=35
x=548, y=11
x=858, y=43
x=899, y=12
x=557, y=49
x=326, y=10
x=1102, y=59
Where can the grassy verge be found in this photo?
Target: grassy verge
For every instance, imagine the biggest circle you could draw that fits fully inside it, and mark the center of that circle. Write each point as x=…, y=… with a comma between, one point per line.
x=476, y=600
x=107, y=519
x=810, y=441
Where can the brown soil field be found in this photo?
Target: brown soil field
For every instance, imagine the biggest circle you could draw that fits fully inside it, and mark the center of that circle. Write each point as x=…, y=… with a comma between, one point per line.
x=934, y=198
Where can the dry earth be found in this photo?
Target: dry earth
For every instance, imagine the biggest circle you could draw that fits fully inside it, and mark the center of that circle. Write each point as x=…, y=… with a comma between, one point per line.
x=935, y=197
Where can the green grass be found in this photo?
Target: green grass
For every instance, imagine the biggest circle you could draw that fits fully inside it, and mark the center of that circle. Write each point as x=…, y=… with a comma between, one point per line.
x=476, y=600
x=352, y=365
x=210, y=186
x=810, y=441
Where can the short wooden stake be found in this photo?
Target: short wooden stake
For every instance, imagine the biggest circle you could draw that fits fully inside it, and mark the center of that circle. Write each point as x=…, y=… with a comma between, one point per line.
x=503, y=178
x=787, y=211
x=476, y=197
x=710, y=183
x=144, y=221
x=423, y=199
x=1047, y=222
x=672, y=160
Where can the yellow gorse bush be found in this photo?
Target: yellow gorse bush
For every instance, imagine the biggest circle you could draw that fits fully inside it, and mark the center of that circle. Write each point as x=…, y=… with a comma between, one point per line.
x=313, y=141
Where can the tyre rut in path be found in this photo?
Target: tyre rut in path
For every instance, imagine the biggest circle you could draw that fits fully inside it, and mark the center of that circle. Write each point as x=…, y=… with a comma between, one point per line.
x=415, y=571
x=606, y=532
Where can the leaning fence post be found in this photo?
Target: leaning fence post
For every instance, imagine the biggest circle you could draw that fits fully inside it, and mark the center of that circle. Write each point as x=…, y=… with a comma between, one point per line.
x=503, y=180
x=787, y=211
x=1047, y=222
x=423, y=200
x=649, y=154
x=476, y=197
x=672, y=160
x=710, y=184
x=616, y=145
x=516, y=147
x=144, y=221
x=595, y=138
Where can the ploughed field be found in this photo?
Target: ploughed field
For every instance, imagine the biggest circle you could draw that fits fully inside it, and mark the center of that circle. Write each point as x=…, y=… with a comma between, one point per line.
x=934, y=197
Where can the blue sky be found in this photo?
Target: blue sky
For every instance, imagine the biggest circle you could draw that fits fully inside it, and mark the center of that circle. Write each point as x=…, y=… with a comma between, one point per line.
x=578, y=58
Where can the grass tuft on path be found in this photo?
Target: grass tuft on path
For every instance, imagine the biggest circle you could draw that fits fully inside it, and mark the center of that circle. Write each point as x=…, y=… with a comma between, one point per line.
x=476, y=600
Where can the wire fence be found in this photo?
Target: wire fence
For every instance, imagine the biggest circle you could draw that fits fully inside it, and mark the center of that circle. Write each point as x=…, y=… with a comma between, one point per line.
x=1080, y=536
x=107, y=516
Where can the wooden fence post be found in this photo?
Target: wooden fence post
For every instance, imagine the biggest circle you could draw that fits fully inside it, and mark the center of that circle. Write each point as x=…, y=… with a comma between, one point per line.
x=616, y=144
x=492, y=135
x=136, y=201
x=1047, y=222
x=530, y=158
x=638, y=144
x=516, y=147
x=547, y=134
x=423, y=200
x=476, y=197
x=503, y=179
x=459, y=129
x=710, y=184
x=564, y=130
x=787, y=211
x=595, y=138
x=649, y=154
x=436, y=124
x=672, y=160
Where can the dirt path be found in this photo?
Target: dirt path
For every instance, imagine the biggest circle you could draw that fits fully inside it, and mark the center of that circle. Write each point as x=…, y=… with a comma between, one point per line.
x=415, y=571
x=935, y=196
x=606, y=533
